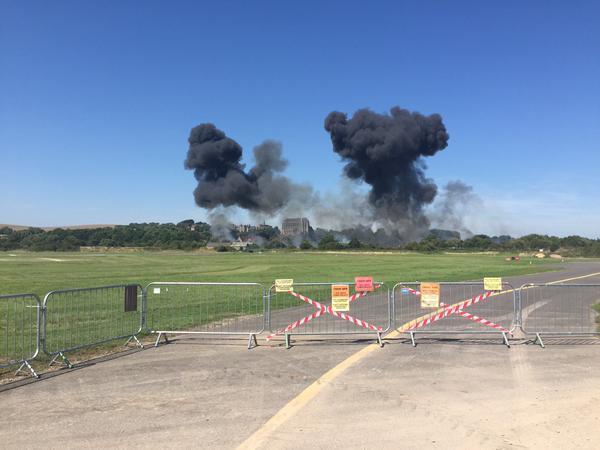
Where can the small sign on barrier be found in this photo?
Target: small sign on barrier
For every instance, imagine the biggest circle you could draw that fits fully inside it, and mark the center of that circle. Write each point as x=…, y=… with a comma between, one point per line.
x=492, y=284
x=131, y=294
x=363, y=284
x=340, y=297
x=430, y=295
x=284, y=285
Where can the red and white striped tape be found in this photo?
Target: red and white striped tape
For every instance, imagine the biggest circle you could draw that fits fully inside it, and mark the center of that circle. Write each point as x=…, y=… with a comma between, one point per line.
x=449, y=310
x=412, y=291
x=321, y=309
x=481, y=320
x=297, y=323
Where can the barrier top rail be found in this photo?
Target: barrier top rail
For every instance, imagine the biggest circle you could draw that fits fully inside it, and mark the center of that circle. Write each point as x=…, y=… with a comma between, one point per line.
x=18, y=296
x=199, y=283
x=109, y=286
x=565, y=284
x=328, y=283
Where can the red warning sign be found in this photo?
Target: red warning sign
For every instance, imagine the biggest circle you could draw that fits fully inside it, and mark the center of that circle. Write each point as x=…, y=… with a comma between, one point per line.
x=363, y=284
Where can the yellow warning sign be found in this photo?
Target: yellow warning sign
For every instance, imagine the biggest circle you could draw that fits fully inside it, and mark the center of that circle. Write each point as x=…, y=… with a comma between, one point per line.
x=340, y=297
x=492, y=284
x=284, y=285
x=430, y=295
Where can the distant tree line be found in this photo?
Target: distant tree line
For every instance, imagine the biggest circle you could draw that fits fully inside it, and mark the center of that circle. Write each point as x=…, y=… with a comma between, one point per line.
x=188, y=235
x=185, y=235
x=567, y=246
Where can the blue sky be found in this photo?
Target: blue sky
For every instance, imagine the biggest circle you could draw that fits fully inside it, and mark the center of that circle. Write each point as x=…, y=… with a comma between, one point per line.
x=97, y=100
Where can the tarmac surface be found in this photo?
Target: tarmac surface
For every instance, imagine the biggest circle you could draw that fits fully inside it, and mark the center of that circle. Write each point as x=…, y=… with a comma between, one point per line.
x=323, y=393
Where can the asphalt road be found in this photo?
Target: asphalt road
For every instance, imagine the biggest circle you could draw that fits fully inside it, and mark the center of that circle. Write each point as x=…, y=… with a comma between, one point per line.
x=469, y=393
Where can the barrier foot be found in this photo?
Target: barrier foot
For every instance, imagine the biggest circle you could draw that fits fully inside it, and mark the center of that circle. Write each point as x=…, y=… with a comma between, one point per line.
x=505, y=338
x=379, y=340
x=26, y=364
x=158, y=338
x=412, y=339
x=65, y=361
x=539, y=338
x=288, y=344
x=252, y=338
x=137, y=341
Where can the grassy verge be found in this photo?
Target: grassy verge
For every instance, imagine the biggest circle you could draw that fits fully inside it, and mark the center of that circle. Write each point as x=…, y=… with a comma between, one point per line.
x=82, y=319
x=42, y=272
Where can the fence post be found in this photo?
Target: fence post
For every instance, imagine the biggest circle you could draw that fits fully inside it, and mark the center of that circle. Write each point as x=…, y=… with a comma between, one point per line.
x=22, y=331
x=144, y=324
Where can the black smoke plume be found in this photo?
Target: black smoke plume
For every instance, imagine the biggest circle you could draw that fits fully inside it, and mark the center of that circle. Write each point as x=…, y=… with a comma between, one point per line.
x=386, y=151
x=222, y=180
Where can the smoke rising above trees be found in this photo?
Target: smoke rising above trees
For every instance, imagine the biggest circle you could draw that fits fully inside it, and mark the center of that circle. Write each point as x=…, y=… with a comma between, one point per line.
x=386, y=151
x=222, y=181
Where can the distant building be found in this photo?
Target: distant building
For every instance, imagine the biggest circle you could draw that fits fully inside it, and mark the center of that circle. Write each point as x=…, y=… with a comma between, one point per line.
x=241, y=243
x=244, y=228
x=295, y=226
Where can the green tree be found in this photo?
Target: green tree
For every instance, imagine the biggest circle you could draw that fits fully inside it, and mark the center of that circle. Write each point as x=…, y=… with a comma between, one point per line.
x=305, y=245
x=329, y=243
x=354, y=243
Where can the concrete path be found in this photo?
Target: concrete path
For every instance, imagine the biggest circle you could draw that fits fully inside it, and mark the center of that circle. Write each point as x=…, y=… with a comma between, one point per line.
x=216, y=394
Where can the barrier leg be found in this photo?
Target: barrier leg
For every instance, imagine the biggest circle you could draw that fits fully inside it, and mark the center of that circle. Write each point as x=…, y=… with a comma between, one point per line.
x=379, y=340
x=160, y=333
x=288, y=344
x=65, y=361
x=137, y=341
x=539, y=338
x=412, y=339
x=26, y=364
x=505, y=338
x=252, y=338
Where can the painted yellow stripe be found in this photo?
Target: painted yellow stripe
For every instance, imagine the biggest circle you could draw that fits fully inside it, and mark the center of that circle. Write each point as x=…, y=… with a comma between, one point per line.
x=575, y=278
x=260, y=436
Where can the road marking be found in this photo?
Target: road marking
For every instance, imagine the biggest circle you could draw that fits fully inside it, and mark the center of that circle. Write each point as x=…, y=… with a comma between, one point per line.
x=574, y=278
x=260, y=436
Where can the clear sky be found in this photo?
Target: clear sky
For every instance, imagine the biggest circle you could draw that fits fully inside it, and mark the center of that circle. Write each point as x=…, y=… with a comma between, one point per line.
x=97, y=100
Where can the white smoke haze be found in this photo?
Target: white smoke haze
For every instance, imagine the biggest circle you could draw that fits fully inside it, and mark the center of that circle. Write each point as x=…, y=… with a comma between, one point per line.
x=220, y=220
x=456, y=202
x=457, y=208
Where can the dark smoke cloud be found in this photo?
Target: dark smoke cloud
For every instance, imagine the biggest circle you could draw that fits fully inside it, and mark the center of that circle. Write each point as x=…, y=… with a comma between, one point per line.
x=222, y=180
x=386, y=151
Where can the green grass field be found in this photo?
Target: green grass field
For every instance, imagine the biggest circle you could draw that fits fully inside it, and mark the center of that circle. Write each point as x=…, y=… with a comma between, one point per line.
x=81, y=318
x=42, y=272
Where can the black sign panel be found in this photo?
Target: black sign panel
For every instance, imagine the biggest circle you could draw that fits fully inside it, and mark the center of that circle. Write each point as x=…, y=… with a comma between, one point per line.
x=131, y=295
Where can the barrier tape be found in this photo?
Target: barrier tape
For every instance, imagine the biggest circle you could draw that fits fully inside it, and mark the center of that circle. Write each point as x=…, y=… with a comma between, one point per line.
x=297, y=323
x=411, y=290
x=481, y=320
x=447, y=311
x=321, y=309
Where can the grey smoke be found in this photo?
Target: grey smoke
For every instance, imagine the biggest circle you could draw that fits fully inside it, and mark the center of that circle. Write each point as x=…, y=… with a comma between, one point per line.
x=219, y=225
x=456, y=202
x=387, y=152
x=222, y=180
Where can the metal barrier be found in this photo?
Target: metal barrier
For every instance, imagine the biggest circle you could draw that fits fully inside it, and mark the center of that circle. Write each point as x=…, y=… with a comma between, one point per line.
x=79, y=318
x=464, y=308
x=308, y=311
x=19, y=330
x=560, y=309
x=205, y=308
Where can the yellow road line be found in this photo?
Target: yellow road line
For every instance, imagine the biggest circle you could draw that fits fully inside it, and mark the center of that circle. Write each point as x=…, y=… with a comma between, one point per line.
x=575, y=278
x=260, y=436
